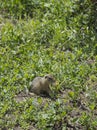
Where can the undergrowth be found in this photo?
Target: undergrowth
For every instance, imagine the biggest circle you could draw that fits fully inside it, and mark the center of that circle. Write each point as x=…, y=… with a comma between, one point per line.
x=40, y=37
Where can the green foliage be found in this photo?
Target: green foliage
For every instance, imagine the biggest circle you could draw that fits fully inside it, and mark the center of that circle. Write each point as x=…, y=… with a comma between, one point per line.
x=48, y=36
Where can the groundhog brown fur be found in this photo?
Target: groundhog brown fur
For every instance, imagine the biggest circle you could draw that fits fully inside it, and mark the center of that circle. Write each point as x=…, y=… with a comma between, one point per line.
x=41, y=85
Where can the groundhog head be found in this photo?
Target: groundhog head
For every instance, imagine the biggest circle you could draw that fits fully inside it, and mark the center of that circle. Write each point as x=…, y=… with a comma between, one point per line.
x=50, y=78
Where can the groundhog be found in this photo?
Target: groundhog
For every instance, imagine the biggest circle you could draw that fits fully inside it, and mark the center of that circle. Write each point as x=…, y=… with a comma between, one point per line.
x=41, y=85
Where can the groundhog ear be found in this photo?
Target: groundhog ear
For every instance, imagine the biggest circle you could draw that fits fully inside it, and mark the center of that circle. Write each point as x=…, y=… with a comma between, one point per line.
x=46, y=77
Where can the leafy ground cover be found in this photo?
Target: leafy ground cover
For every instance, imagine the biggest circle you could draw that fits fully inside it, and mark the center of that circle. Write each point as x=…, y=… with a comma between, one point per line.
x=40, y=37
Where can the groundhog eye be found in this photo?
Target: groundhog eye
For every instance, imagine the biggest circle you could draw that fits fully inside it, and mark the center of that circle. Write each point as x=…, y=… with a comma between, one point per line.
x=50, y=79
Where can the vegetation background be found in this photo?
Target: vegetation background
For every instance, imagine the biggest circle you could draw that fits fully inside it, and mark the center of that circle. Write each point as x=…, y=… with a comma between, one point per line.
x=48, y=36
